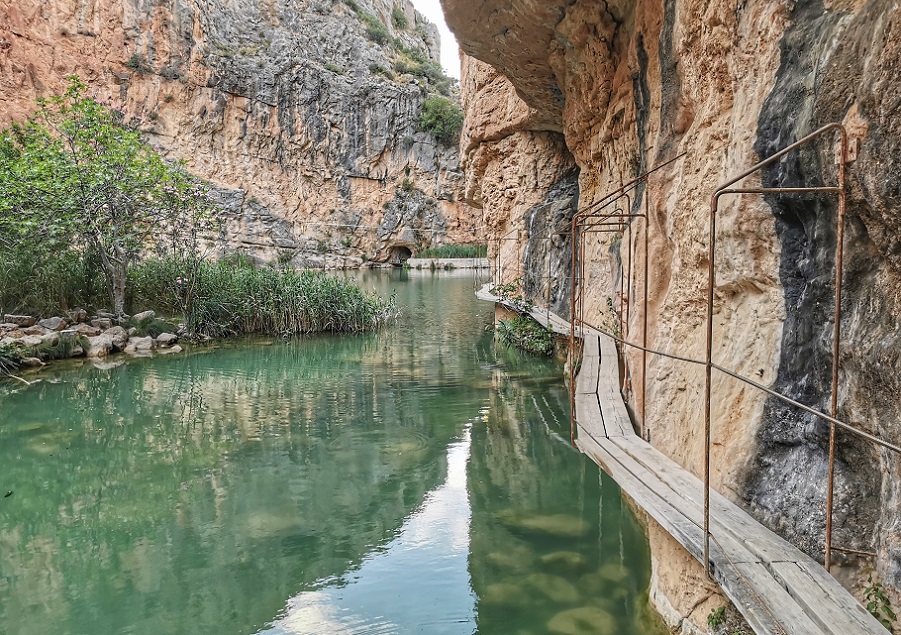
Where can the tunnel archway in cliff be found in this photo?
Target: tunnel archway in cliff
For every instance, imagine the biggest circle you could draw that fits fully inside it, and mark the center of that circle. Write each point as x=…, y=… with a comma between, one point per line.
x=399, y=254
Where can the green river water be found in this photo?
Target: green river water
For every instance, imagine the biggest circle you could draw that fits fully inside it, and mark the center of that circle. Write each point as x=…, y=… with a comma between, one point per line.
x=416, y=480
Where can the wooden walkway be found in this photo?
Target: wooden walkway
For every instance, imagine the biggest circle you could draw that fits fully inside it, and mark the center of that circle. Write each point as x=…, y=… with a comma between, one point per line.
x=776, y=587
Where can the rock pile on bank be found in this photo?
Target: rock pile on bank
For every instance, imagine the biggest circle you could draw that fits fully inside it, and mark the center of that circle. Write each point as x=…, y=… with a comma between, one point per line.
x=80, y=335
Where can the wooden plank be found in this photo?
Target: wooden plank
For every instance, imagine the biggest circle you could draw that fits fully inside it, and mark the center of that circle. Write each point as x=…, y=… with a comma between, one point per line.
x=766, y=606
x=587, y=379
x=588, y=414
x=616, y=417
x=767, y=545
x=613, y=409
x=835, y=610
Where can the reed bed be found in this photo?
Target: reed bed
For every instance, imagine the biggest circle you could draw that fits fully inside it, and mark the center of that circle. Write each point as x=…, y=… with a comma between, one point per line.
x=226, y=298
x=455, y=251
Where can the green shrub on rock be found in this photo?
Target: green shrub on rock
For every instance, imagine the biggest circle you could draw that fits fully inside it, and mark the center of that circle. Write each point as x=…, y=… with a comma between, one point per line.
x=527, y=334
x=442, y=117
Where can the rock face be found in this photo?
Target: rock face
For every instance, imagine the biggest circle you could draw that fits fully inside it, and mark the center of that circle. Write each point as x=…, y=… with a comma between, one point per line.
x=602, y=93
x=302, y=113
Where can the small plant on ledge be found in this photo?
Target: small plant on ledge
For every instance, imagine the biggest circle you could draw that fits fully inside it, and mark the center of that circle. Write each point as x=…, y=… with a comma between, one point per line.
x=505, y=293
x=138, y=64
x=878, y=604
x=527, y=334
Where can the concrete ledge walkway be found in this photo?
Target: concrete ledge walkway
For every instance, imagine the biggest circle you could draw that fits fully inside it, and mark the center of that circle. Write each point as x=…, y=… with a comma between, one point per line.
x=777, y=588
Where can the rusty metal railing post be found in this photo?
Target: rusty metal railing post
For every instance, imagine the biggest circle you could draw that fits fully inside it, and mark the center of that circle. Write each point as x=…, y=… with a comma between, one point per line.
x=708, y=373
x=724, y=189
x=644, y=330
x=836, y=340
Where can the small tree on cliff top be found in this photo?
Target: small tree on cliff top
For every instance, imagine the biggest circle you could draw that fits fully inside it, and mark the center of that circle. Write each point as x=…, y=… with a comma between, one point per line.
x=77, y=172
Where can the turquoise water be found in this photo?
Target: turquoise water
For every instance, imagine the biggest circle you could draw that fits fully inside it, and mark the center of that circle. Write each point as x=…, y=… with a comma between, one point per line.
x=417, y=480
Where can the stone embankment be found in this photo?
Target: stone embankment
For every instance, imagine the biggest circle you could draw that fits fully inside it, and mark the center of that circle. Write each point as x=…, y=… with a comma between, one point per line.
x=80, y=335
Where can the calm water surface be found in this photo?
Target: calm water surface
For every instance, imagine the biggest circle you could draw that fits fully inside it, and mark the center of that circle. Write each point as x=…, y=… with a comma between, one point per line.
x=418, y=480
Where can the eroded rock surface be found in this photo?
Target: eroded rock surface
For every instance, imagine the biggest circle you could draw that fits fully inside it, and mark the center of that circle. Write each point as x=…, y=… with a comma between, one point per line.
x=610, y=90
x=302, y=122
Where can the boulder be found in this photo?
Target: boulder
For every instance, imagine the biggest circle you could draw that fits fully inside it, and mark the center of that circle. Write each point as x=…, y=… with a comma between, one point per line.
x=86, y=329
x=144, y=316
x=118, y=336
x=20, y=320
x=77, y=316
x=8, y=326
x=51, y=339
x=99, y=346
x=131, y=331
x=105, y=315
x=35, y=330
x=139, y=345
x=30, y=340
x=166, y=339
x=171, y=350
x=54, y=324
x=102, y=323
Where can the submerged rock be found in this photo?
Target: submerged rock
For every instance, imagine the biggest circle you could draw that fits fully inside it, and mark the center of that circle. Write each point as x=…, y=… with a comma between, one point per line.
x=614, y=572
x=515, y=560
x=562, y=525
x=565, y=561
x=586, y=620
x=554, y=587
x=503, y=594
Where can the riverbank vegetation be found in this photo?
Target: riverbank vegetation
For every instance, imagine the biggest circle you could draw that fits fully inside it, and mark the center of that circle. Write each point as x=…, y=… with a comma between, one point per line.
x=455, y=251
x=93, y=217
x=525, y=333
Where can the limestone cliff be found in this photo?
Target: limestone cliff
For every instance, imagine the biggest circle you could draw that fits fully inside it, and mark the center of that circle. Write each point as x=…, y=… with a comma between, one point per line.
x=304, y=113
x=607, y=91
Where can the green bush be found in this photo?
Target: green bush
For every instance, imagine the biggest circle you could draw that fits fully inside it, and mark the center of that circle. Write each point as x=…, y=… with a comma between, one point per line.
x=399, y=18
x=526, y=334
x=442, y=118
x=138, y=63
x=375, y=28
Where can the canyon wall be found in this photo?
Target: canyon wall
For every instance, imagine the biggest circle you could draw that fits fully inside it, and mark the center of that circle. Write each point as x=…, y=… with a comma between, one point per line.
x=303, y=114
x=566, y=101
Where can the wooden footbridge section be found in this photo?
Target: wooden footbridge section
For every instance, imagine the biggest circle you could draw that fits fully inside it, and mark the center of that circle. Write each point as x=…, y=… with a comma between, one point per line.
x=776, y=587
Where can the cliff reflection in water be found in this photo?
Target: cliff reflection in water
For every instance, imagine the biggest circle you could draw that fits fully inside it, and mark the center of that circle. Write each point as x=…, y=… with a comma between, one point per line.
x=418, y=480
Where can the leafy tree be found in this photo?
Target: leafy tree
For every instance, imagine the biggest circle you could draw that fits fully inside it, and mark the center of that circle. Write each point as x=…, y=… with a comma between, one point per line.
x=442, y=118
x=77, y=173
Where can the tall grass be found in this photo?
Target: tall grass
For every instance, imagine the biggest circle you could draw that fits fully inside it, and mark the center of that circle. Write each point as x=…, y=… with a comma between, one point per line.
x=48, y=283
x=455, y=251
x=216, y=299
x=236, y=298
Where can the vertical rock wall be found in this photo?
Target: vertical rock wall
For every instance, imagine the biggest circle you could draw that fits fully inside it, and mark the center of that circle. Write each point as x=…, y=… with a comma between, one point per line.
x=616, y=88
x=303, y=112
